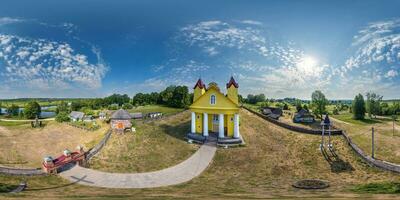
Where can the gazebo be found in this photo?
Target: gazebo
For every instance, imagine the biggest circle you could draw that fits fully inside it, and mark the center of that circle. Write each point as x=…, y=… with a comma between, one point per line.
x=121, y=120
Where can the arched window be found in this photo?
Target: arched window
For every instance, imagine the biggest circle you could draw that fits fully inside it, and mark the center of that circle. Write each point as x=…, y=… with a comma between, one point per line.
x=212, y=100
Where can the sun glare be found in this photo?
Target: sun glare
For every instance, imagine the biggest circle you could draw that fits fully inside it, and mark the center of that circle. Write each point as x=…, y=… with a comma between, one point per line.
x=307, y=64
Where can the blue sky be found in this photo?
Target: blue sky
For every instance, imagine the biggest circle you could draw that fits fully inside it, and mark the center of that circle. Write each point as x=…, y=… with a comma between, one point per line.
x=280, y=48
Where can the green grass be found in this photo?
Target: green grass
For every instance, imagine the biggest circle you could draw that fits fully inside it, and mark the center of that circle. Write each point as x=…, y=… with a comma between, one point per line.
x=156, y=108
x=273, y=159
x=348, y=117
x=378, y=188
x=6, y=123
x=154, y=146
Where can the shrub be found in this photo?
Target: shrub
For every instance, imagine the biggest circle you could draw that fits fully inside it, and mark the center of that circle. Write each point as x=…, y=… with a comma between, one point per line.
x=62, y=117
x=127, y=106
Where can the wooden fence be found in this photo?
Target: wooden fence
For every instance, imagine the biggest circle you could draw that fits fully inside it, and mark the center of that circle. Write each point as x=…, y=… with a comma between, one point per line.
x=368, y=159
x=290, y=127
x=92, y=152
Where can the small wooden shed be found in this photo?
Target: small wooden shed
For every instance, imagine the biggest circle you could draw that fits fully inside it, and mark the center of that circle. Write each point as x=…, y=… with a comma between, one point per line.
x=121, y=120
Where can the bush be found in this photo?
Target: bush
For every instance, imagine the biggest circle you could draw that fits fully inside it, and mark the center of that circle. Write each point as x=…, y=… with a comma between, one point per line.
x=127, y=106
x=62, y=117
x=335, y=111
x=285, y=107
x=113, y=107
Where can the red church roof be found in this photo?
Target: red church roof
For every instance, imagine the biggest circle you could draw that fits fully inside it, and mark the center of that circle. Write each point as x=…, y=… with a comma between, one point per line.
x=200, y=84
x=232, y=82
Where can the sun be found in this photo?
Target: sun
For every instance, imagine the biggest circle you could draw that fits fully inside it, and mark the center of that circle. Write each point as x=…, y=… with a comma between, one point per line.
x=307, y=64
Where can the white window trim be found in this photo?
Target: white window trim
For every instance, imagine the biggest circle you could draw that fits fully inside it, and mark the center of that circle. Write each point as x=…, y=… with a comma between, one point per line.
x=215, y=99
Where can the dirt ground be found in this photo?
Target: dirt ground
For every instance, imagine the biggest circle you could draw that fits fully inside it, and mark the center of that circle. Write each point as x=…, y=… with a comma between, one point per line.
x=23, y=146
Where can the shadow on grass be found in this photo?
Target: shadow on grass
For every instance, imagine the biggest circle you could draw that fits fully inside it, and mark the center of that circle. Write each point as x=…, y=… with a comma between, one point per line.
x=336, y=163
x=6, y=188
x=178, y=131
x=371, y=121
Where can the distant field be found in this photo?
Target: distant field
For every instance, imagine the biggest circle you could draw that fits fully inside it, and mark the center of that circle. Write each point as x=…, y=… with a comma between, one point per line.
x=156, y=108
x=271, y=161
x=387, y=143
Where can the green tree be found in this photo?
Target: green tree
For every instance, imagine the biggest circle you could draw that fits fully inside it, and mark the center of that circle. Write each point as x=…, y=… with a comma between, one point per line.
x=298, y=105
x=373, y=104
x=166, y=95
x=139, y=99
x=180, y=97
x=32, y=109
x=305, y=107
x=62, y=117
x=62, y=107
x=358, y=107
x=127, y=106
x=319, y=102
x=76, y=105
x=13, y=110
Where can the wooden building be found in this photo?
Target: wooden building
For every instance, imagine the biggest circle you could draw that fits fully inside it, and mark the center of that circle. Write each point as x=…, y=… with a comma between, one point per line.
x=121, y=121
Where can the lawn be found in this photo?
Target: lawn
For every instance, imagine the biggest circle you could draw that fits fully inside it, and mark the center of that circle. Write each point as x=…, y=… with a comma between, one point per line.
x=271, y=161
x=386, y=142
x=23, y=146
x=13, y=123
x=156, y=108
x=154, y=146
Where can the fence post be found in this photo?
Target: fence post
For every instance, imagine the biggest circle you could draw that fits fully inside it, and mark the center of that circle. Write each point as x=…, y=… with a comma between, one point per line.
x=373, y=143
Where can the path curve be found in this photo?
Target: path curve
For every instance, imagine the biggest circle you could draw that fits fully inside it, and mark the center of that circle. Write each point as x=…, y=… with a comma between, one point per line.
x=183, y=172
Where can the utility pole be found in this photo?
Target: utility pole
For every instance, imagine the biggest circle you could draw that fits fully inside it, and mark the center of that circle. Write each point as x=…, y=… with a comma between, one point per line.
x=373, y=143
x=394, y=117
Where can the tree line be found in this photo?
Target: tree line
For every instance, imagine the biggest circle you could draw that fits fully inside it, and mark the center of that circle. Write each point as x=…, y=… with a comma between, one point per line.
x=373, y=106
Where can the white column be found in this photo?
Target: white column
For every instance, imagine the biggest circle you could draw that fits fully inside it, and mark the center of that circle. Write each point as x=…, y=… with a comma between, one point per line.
x=221, y=126
x=236, y=133
x=205, y=125
x=193, y=122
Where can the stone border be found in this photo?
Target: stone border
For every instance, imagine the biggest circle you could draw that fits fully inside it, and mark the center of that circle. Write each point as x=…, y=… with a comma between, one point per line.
x=322, y=184
x=21, y=172
x=290, y=127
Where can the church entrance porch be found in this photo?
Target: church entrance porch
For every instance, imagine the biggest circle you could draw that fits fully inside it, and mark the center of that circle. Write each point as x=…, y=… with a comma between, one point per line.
x=224, y=127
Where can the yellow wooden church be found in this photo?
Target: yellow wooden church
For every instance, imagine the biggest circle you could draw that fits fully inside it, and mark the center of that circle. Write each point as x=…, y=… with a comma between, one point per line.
x=214, y=112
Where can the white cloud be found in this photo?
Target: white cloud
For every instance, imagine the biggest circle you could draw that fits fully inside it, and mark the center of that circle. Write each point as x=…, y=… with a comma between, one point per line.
x=44, y=64
x=391, y=73
x=215, y=50
x=378, y=42
x=8, y=20
x=211, y=35
x=251, y=22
